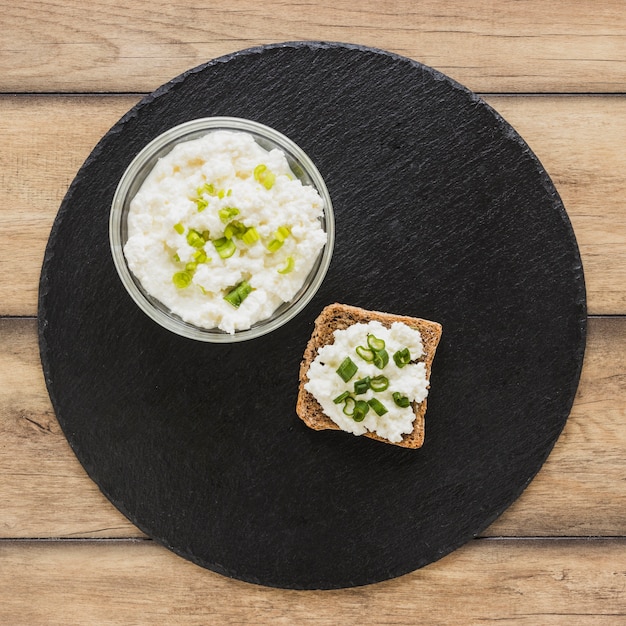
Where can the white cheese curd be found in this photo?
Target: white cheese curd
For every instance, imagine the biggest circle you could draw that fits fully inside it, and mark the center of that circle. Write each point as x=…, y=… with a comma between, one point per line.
x=220, y=212
x=410, y=380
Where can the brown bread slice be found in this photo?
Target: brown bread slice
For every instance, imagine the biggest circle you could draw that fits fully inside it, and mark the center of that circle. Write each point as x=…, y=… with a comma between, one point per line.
x=339, y=317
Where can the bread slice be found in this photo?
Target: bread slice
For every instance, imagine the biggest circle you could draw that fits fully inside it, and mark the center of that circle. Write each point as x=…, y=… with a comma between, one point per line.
x=339, y=317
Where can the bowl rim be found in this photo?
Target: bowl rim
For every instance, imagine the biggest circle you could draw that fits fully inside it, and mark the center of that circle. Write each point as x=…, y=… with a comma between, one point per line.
x=173, y=136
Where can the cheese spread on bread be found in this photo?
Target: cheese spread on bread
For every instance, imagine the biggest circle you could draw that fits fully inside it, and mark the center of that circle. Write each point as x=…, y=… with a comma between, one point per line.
x=387, y=387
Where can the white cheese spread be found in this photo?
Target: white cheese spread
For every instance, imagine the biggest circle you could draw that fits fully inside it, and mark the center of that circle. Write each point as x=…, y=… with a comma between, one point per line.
x=221, y=215
x=407, y=383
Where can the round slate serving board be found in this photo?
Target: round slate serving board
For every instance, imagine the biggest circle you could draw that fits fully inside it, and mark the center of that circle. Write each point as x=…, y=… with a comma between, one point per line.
x=442, y=212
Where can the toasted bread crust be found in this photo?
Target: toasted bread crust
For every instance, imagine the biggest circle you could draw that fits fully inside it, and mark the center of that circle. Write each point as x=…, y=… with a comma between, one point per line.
x=339, y=317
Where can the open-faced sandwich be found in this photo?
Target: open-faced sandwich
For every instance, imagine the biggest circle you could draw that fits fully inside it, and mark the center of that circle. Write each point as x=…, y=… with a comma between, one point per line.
x=368, y=373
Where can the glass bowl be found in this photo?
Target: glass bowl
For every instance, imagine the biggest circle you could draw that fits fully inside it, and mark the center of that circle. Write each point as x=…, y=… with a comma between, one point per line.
x=134, y=176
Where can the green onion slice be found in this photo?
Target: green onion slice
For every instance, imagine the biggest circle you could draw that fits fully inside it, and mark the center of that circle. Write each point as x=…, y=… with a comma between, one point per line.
x=221, y=193
x=379, y=383
x=225, y=247
x=195, y=239
x=365, y=353
x=179, y=228
x=234, y=229
x=381, y=358
x=362, y=385
x=400, y=400
x=360, y=410
x=200, y=256
x=402, y=357
x=206, y=235
x=176, y=257
x=375, y=343
x=347, y=369
x=201, y=204
x=237, y=295
x=250, y=236
x=349, y=403
x=289, y=265
x=340, y=398
x=378, y=406
x=206, y=188
x=181, y=279
x=227, y=212
x=274, y=245
x=191, y=267
x=264, y=176
x=282, y=233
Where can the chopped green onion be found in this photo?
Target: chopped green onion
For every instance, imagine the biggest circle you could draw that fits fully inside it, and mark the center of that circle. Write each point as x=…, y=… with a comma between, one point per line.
x=251, y=236
x=206, y=188
x=237, y=295
x=200, y=256
x=268, y=180
x=400, y=400
x=225, y=247
x=279, y=238
x=227, y=212
x=339, y=399
x=365, y=353
x=375, y=343
x=176, y=257
x=191, y=267
x=179, y=228
x=195, y=239
x=379, y=383
x=221, y=193
x=402, y=357
x=360, y=410
x=229, y=193
x=378, y=406
x=206, y=235
x=289, y=265
x=282, y=233
x=362, y=385
x=234, y=229
x=381, y=358
x=347, y=369
x=348, y=405
x=202, y=204
x=181, y=279
x=264, y=176
x=274, y=245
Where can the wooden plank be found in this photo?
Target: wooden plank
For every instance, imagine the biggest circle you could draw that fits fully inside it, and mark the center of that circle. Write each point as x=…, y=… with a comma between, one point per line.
x=43, y=143
x=116, y=45
x=580, y=491
x=530, y=582
x=44, y=140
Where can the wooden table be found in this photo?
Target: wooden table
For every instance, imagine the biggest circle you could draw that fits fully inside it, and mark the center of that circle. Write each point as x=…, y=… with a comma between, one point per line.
x=556, y=71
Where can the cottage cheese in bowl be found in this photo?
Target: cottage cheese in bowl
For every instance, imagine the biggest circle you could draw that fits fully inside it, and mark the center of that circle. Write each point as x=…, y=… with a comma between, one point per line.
x=224, y=231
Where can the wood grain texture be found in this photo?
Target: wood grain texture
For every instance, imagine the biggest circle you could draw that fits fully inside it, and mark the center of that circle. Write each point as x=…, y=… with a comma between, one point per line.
x=44, y=140
x=113, y=45
x=580, y=491
x=578, y=582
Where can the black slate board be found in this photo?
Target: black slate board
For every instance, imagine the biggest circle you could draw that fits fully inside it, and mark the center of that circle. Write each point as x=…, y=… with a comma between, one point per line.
x=442, y=212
